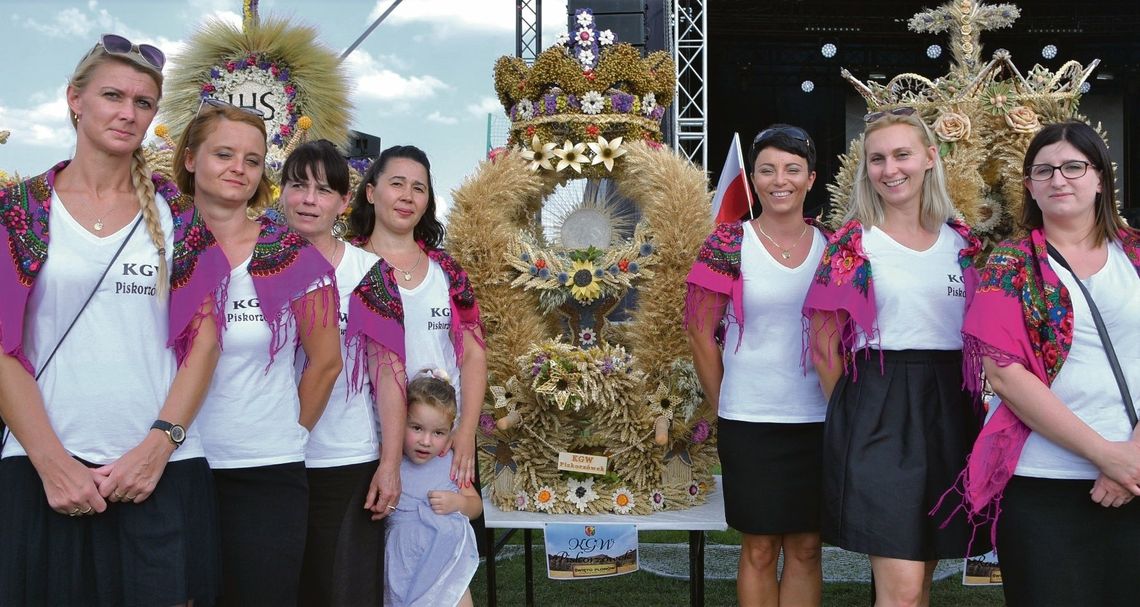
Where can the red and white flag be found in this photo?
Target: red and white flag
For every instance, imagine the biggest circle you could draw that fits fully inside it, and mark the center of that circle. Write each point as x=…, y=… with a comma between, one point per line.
x=733, y=198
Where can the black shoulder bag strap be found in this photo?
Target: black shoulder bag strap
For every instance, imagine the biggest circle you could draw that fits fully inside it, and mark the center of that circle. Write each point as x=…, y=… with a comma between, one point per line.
x=1109, y=351
x=3, y=426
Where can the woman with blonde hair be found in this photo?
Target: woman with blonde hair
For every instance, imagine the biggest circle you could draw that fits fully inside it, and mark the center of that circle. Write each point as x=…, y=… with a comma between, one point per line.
x=106, y=490
x=274, y=293
x=887, y=348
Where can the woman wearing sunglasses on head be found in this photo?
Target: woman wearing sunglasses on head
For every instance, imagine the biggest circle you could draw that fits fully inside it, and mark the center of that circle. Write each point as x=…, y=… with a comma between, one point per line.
x=344, y=549
x=107, y=498
x=275, y=294
x=770, y=413
x=885, y=312
x=1060, y=453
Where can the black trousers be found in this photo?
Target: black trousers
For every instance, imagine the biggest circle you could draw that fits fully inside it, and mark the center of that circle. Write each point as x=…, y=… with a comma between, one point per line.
x=1059, y=548
x=262, y=513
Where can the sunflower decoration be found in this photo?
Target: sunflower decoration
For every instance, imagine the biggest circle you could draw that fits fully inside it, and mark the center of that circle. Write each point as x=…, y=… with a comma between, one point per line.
x=583, y=286
x=998, y=99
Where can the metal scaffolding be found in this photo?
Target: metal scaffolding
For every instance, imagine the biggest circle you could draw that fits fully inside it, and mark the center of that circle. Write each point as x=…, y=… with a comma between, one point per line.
x=690, y=53
x=528, y=29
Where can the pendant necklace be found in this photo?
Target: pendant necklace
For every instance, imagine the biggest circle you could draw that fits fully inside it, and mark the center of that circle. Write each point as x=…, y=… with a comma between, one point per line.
x=786, y=253
x=407, y=274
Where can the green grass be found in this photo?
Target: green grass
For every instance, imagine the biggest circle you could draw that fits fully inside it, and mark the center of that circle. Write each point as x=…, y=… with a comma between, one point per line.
x=649, y=590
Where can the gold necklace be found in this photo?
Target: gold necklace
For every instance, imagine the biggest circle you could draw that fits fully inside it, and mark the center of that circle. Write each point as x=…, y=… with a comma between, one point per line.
x=406, y=273
x=786, y=253
x=98, y=225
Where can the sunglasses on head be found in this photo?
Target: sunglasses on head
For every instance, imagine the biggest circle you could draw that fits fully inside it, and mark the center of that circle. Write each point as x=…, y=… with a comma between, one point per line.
x=794, y=132
x=218, y=103
x=899, y=111
x=117, y=45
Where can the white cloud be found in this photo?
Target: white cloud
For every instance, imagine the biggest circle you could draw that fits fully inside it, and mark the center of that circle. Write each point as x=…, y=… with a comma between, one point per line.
x=374, y=80
x=441, y=119
x=485, y=105
x=41, y=124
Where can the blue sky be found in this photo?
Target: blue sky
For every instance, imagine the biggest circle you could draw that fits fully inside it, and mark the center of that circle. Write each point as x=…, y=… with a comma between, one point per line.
x=423, y=77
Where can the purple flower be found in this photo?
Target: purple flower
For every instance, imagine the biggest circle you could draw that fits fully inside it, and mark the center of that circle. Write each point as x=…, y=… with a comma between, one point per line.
x=550, y=102
x=264, y=65
x=701, y=432
x=657, y=113
x=573, y=102
x=215, y=73
x=607, y=365
x=486, y=423
x=622, y=102
x=284, y=75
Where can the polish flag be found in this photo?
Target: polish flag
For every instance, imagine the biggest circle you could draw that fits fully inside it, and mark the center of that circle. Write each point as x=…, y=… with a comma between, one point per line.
x=733, y=197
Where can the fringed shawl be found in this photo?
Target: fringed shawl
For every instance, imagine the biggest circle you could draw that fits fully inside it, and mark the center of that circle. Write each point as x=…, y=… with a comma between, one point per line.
x=843, y=283
x=1023, y=314
x=376, y=312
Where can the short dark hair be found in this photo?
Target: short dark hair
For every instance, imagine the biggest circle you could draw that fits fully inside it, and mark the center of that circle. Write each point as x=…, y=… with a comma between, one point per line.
x=1088, y=142
x=361, y=215
x=322, y=159
x=785, y=137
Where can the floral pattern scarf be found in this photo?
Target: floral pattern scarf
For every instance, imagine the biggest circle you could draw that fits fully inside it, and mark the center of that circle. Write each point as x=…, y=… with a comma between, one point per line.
x=844, y=283
x=376, y=312
x=1023, y=314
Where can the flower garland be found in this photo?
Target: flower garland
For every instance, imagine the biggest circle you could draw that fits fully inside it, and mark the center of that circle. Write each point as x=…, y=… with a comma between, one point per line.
x=257, y=72
x=582, y=275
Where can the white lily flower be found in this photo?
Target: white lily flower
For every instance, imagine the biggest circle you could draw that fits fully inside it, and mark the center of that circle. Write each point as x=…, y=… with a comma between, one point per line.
x=605, y=152
x=539, y=154
x=571, y=155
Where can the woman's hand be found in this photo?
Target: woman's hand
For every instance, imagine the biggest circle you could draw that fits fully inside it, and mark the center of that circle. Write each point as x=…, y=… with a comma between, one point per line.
x=1119, y=461
x=384, y=490
x=134, y=476
x=1109, y=493
x=71, y=487
x=463, y=461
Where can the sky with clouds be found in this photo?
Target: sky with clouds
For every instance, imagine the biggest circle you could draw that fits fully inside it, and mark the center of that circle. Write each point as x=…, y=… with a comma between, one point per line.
x=423, y=77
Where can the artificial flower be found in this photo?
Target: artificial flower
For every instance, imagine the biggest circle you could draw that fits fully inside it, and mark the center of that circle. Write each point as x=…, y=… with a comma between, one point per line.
x=623, y=501
x=563, y=38
x=583, y=286
x=584, y=18
x=701, y=431
x=544, y=498
x=648, y=104
x=159, y=131
x=657, y=499
x=1023, y=120
x=606, y=37
x=694, y=491
x=487, y=423
x=304, y=123
x=587, y=338
x=951, y=126
x=605, y=152
x=571, y=155
x=524, y=110
x=581, y=493
x=522, y=501
x=593, y=103
x=586, y=57
x=539, y=154
x=585, y=37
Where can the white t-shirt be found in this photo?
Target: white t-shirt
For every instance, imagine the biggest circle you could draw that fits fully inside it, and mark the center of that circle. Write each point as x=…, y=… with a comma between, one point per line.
x=345, y=433
x=920, y=297
x=427, y=327
x=250, y=417
x=763, y=379
x=111, y=375
x=1086, y=383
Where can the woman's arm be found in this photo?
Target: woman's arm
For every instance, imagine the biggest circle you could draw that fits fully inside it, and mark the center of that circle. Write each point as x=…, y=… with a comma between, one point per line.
x=1037, y=407
x=320, y=337
x=134, y=476
x=705, y=317
x=826, y=350
x=466, y=501
x=69, y=485
x=388, y=378
x=473, y=388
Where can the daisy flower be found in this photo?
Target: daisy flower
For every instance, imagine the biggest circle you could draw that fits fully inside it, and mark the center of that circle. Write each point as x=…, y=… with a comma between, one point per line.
x=522, y=501
x=587, y=338
x=657, y=499
x=586, y=57
x=606, y=37
x=593, y=102
x=584, y=37
x=581, y=493
x=544, y=498
x=585, y=19
x=623, y=501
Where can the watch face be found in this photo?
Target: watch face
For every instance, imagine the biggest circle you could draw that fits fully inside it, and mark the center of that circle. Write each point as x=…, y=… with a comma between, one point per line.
x=177, y=433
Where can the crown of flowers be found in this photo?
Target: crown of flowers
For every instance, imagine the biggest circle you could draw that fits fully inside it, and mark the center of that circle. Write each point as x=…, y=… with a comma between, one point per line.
x=585, y=87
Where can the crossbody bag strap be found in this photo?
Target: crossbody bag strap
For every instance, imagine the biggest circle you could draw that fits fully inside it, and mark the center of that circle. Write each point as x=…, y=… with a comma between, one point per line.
x=1109, y=351
x=4, y=430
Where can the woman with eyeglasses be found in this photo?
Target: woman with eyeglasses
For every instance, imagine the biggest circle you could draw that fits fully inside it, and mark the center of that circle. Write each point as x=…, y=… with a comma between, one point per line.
x=344, y=548
x=415, y=309
x=770, y=413
x=274, y=297
x=885, y=313
x=106, y=497
x=1060, y=454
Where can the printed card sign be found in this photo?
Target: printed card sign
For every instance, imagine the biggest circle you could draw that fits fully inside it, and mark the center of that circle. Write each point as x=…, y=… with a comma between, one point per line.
x=576, y=551
x=581, y=462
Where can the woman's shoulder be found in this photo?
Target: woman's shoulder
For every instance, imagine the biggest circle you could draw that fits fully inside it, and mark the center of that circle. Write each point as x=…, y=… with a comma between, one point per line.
x=179, y=202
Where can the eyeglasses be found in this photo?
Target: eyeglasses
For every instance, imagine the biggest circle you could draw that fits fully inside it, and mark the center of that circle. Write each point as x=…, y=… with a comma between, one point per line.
x=794, y=132
x=1073, y=169
x=899, y=111
x=218, y=103
x=118, y=45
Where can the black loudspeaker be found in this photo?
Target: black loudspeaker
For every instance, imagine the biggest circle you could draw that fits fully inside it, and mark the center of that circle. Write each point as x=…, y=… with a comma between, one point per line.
x=626, y=18
x=362, y=145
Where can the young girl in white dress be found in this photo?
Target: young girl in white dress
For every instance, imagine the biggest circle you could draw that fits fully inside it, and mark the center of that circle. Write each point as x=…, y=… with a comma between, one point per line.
x=430, y=553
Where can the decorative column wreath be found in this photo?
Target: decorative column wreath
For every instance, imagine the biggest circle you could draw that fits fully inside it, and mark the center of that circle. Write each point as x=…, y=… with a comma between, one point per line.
x=565, y=376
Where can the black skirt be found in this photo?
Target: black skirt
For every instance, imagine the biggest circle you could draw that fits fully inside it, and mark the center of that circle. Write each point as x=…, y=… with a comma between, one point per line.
x=771, y=476
x=163, y=551
x=895, y=439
